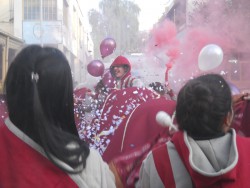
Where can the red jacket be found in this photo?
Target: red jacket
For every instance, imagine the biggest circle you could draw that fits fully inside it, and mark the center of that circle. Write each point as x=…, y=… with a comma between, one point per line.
x=235, y=174
x=126, y=80
x=24, y=167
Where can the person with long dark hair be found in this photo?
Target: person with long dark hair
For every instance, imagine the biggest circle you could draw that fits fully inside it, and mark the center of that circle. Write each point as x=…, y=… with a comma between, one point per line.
x=39, y=142
x=206, y=151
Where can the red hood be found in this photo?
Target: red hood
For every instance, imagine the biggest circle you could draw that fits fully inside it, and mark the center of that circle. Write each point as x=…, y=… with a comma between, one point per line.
x=119, y=61
x=205, y=177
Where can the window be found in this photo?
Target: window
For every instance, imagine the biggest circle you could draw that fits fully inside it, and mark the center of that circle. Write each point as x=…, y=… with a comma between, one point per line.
x=80, y=33
x=11, y=55
x=65, y=14
x=49, y=10
x=32, y=9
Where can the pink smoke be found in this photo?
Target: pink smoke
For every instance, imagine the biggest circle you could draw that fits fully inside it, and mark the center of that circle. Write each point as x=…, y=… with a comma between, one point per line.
x=224, y=23
x=163, y=40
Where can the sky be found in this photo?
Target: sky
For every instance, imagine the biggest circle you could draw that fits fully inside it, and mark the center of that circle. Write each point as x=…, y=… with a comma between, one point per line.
x=151, y=11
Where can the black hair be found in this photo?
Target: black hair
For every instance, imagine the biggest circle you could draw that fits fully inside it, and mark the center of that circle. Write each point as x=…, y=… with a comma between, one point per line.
x=158, y=87
x=126, y=68
x=101, y=88
x=202, y=105
x=39, y=94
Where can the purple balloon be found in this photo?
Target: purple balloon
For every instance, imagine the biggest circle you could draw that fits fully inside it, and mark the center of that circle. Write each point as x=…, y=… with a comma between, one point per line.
x=95, y=68
x=108, y=79
x=107, y=47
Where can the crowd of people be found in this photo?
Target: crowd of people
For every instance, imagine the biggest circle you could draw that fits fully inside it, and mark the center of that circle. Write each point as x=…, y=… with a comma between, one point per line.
x=41, y=146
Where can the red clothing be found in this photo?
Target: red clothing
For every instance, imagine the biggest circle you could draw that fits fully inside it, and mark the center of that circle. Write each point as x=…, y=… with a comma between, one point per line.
x=107, y=129
x=24, y=167
x=126, y=80
x=143, y=133
x=3, y=109
x=235, y=174
x=241, y=122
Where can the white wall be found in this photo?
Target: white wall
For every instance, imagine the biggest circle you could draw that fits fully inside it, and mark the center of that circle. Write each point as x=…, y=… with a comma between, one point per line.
x=18, y=17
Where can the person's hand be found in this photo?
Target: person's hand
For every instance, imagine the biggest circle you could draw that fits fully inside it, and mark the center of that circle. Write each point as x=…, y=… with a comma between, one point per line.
x=240, y=97
x=246, y=96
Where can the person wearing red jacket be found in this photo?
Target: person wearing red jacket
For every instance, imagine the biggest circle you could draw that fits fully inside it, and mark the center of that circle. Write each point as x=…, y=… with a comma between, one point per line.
x=206, y=152
x=39, y=143
x=120, y=69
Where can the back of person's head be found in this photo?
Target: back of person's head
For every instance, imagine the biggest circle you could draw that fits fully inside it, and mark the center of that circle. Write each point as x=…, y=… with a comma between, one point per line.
x=202, y=105
x=39, y=93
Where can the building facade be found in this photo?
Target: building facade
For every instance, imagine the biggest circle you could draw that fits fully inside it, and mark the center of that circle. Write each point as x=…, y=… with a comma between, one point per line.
x=56, y=23
x=10, y=43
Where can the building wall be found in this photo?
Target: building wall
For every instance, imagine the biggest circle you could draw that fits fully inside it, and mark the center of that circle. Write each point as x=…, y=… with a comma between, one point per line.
x=73, y=33
x=10, y=40
x=67, y=32
x=18, y=17
x=6, y=22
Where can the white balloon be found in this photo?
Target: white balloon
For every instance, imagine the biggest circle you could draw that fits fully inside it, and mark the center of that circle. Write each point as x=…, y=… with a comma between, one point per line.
x=210, y=57
x=165, y=120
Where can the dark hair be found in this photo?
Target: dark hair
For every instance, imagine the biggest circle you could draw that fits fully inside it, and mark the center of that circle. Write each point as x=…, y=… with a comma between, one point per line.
x=39, y=92
x=158, y=87
x=126, y=67
x=101, y=88
x=202, y=105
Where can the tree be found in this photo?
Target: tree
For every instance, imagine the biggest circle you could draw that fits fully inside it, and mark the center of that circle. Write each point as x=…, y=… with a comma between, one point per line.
x=117, y=19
